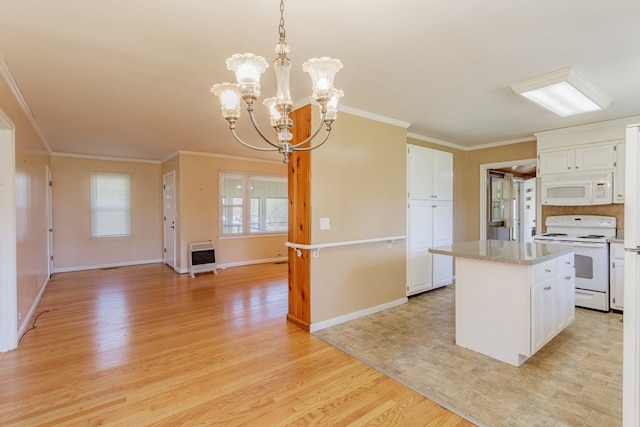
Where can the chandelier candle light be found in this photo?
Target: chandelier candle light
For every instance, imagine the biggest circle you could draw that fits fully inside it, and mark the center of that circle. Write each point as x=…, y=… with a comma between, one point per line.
x=248, y=68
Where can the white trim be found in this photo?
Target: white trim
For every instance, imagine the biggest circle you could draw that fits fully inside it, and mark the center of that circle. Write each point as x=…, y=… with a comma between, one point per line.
x=8, y=237
x=356, y=314
x=372, y=116
x=170, y=156
x=250, y=262
x=32, y=310
x=15, y=90
x=225, y=156
x=475, y=147
x=113, y=159
x=174, y=192
x=108, y=265
x=483, y=189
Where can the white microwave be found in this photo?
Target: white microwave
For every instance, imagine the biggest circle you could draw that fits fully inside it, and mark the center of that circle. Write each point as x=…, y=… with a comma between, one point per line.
x=577, y=189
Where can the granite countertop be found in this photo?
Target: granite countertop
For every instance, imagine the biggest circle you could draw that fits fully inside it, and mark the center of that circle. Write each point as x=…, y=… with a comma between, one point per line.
x=503, y=251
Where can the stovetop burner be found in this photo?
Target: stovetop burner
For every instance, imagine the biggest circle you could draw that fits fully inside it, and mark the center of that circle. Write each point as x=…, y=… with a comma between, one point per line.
x=592, y=236
x=554, y=234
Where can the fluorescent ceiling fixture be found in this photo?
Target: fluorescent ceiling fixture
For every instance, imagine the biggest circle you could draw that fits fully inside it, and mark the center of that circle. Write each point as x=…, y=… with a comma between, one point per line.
x=565, y=92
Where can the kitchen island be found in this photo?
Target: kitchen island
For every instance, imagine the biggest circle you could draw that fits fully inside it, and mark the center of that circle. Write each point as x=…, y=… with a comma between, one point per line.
x=511, y=298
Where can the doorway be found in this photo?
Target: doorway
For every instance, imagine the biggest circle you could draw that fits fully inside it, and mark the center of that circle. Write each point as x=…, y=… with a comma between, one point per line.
x=8, y=256
x=507, y=200
x=169, y=216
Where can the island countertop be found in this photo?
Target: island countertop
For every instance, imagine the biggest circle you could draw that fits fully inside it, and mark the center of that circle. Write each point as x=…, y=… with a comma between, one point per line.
x=503, y=251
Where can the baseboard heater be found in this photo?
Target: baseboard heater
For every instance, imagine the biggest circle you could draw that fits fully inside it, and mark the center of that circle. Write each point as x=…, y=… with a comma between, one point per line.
x=202, y=258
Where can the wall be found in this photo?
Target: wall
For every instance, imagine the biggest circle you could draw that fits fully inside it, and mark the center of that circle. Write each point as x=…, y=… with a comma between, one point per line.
x=73, y=247
x=31, y=159
x=475, y=158
x=198, y=213
x=459, y=187
x=358, y=181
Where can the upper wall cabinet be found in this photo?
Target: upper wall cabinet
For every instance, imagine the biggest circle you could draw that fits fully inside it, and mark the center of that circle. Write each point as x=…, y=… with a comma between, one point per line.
x=618, y=174
x=430, y=174
x=583, y=158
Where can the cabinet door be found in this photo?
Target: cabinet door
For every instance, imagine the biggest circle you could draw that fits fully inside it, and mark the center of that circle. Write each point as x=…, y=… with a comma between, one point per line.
x=543, y=313
x=442, y=176
x=567, y=309
x=617, y=276
x=419, y=240
x=419, y=171
x=595, y=158
x=618, y=174
x=556, y=161
x=442, y=235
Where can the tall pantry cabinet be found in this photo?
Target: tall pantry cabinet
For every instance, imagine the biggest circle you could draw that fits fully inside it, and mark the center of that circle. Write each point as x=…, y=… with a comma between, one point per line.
x=429, y=218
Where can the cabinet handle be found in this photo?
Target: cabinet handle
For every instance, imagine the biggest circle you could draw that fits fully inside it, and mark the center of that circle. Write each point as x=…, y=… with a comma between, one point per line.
x=547, y=270
x=568, y=262
x=567, y=278
x=547, y=288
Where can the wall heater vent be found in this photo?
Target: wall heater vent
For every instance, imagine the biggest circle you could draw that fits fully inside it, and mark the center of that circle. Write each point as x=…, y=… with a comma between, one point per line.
x=202, y=258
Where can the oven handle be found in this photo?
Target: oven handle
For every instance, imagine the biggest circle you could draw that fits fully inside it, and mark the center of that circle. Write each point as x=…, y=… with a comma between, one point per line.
x=572, y=243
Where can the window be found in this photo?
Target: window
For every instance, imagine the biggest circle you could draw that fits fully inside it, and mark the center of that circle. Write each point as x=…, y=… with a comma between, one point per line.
x=253, y=204
x=110, y=205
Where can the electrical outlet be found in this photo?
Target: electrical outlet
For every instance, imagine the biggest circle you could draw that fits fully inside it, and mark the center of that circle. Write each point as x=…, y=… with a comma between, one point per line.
x=19, y=316
x=279, y=252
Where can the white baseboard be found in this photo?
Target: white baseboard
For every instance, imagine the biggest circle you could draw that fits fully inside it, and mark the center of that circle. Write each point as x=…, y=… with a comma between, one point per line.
x=251, y=262
x=109, y=265
x=351, y=316
x=32, y=310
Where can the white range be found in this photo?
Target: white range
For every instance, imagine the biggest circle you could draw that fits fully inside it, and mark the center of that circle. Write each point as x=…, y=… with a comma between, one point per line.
x=588, y=234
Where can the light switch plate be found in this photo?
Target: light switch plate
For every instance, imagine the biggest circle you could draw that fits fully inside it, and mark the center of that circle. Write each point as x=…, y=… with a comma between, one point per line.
x=325, y=224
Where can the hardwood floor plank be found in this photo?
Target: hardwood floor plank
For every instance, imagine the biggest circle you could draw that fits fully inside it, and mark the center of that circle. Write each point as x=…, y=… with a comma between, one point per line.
x=142, y=345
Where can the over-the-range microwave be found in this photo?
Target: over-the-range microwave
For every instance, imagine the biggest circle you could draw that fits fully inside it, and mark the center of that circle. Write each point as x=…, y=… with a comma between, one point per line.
x=577, y=189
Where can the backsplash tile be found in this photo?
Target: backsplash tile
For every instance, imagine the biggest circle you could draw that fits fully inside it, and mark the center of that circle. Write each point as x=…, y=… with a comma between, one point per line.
x=615, y=210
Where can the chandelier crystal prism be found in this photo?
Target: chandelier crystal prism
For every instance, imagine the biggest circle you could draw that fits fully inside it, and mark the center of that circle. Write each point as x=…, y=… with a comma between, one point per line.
x=248, y=68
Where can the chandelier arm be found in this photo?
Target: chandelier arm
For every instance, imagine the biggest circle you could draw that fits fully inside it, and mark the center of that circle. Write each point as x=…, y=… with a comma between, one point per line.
x=326, y=138
x=313, y=135
x=237, y=138
x=257, y=128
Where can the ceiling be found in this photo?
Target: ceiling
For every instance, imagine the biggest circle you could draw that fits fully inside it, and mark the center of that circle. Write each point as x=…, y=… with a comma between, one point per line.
x=132, y=78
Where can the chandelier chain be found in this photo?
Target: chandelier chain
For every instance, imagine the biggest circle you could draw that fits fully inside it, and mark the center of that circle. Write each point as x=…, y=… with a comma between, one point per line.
x=281, y=25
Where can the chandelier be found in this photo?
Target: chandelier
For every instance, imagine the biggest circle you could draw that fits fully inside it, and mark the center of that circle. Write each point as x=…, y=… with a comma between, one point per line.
x=248, y=68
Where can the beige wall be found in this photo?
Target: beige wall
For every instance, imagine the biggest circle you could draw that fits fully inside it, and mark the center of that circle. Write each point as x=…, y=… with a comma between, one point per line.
x=358, y=181
x=475, y=158
x=198, y=213
x=73, y=247
x=459, y=187
x=31, y=159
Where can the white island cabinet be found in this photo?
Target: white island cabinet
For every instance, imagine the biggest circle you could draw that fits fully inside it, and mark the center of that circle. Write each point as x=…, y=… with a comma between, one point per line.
x=511, y=298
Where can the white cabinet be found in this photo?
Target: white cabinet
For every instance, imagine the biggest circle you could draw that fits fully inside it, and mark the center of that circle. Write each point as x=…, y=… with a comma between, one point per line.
x=552, y=299
x=429, y=218
x=578, y=159
x=430, y=174
x=618, y=174
x=616, y=276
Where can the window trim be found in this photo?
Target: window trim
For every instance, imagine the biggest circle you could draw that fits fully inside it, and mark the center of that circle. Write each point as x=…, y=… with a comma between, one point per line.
x=127, y=210
x=245, y=206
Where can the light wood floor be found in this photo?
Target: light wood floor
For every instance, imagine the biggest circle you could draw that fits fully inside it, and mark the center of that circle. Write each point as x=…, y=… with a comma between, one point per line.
x=143, y=345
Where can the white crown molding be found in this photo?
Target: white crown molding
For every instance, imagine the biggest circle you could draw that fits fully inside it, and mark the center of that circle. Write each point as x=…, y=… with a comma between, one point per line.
x=112, y=159
x=623, y=122
x=356, y=112
x=464, y=148
x=222, y=156
x=13, y=86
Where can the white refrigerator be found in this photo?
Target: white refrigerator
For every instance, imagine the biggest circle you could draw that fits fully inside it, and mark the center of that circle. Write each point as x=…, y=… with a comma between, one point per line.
x=631, y=328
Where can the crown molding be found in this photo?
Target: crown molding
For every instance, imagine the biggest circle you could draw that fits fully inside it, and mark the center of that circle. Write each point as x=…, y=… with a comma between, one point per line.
x=112, y=159
x=464, y=148
x=13, y=86
x=222, y=156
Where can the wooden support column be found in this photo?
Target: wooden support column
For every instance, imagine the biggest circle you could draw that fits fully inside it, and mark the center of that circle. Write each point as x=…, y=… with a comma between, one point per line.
x=299, y=181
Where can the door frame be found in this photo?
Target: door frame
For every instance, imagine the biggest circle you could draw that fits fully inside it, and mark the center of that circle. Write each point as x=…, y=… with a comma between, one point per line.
x=164, y=222
x=8, y=237
x=484, y=168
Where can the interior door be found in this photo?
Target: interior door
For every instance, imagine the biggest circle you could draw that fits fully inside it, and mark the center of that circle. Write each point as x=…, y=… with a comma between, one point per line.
x=49, y=221
x=169, y=212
